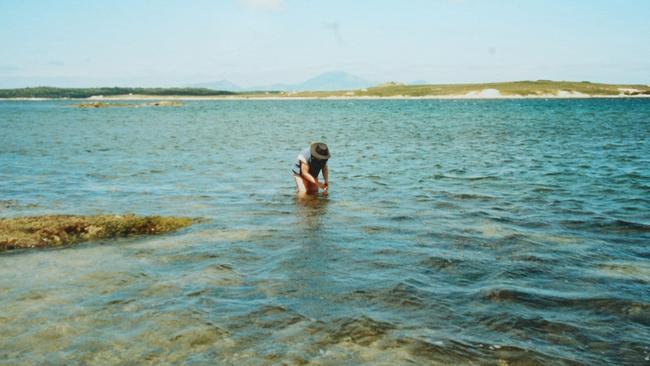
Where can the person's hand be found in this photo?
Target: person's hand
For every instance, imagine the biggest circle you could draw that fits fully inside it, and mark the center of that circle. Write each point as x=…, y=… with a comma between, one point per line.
x=326, y=185
x=322, y=185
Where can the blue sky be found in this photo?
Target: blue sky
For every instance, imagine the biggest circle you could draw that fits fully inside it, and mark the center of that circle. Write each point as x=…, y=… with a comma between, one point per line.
x=258, y=42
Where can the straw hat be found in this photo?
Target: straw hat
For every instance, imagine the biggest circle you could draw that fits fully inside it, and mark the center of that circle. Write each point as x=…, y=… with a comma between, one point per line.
x=319, y=150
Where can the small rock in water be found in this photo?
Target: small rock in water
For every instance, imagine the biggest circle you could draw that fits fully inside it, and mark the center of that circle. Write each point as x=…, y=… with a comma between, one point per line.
x=166, y=103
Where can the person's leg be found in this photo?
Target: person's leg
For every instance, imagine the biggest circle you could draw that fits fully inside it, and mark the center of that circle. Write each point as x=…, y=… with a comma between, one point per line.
x=300, y=184
x=312, y=188
x=303, y=186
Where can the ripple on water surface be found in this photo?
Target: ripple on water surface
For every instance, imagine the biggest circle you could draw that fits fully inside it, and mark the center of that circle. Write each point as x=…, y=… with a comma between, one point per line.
x=480, y=232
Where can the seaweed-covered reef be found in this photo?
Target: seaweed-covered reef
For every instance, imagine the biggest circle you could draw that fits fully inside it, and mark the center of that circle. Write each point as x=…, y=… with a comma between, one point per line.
x=59, y=230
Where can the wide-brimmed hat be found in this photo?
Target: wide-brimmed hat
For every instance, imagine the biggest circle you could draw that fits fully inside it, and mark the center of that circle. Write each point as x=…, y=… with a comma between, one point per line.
x=319, y=150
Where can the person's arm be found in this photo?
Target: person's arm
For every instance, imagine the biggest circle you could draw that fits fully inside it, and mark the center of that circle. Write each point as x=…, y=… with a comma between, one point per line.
x=304, y=168
x=326, y=173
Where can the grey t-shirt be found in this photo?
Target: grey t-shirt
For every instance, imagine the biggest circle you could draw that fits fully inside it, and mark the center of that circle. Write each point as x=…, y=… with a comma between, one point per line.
x=304, y=156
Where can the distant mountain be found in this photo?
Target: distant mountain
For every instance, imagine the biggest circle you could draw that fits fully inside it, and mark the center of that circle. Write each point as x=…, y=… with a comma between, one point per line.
x=274, y=87
x=328, y=81
x=336, y=80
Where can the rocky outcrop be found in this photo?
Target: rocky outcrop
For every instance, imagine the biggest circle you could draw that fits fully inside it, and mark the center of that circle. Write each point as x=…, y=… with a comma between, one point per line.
x=58, y=230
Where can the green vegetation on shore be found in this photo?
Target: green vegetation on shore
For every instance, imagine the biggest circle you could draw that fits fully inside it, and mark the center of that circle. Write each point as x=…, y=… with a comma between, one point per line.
x=518, y=88
x=539, y=88
x=58, y=230
x=49, y=92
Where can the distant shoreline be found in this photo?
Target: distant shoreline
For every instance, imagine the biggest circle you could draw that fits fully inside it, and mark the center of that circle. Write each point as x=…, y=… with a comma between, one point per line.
x=274, y=98
x=540, y=89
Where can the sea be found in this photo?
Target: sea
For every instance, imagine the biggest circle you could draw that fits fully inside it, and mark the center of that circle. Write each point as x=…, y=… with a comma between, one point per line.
x=455, y=232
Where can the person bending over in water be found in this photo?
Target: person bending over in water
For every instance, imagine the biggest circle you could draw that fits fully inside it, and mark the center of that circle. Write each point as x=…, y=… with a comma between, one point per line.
x=309, y=163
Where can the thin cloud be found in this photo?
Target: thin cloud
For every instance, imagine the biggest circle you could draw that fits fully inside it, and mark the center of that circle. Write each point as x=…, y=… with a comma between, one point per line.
x=8, y=68
x=335, y=28
x=273, y=5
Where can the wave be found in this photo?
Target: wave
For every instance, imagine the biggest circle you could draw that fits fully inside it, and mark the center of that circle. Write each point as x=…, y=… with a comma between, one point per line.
x=400, y=296
x=362, y=330
x=439, y=263
x=507, y=322
x=269, y=317
x=471, y=196
x=454, y=352
x=620, y=226
x=14, y=204
x=459, y=177
x=636, y=311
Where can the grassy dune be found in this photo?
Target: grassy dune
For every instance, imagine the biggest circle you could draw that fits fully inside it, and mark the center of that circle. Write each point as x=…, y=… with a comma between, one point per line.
x=58, y=230
x=517, y=88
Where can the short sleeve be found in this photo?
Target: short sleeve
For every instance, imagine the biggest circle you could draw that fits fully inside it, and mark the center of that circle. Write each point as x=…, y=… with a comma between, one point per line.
x=304, y=156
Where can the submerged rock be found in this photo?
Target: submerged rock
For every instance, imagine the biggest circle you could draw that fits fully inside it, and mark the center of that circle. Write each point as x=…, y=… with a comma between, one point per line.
x=161, y=103
x=103, y=105
x=166, y=103
x=58, y=230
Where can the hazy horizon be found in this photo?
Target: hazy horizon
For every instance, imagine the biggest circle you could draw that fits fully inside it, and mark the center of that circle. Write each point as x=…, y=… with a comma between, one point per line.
x=264, y=42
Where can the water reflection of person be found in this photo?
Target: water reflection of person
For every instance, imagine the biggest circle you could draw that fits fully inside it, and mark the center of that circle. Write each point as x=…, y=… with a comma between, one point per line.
x=311, y=268
x=311, y=209
x=309, y=163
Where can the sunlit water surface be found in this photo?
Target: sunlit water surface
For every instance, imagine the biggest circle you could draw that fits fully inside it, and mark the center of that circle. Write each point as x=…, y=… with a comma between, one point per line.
x=456, y=232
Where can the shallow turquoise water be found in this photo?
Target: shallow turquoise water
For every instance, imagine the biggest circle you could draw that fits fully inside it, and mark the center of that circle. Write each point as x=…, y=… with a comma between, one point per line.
x=465, y=232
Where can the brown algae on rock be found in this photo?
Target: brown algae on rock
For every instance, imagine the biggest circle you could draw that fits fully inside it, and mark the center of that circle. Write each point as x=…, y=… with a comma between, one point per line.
x=103, y=105
x=165, y=103
x=58, y=230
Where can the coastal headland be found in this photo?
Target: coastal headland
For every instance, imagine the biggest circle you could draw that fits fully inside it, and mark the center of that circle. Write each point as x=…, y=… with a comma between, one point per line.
x=541, y=89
